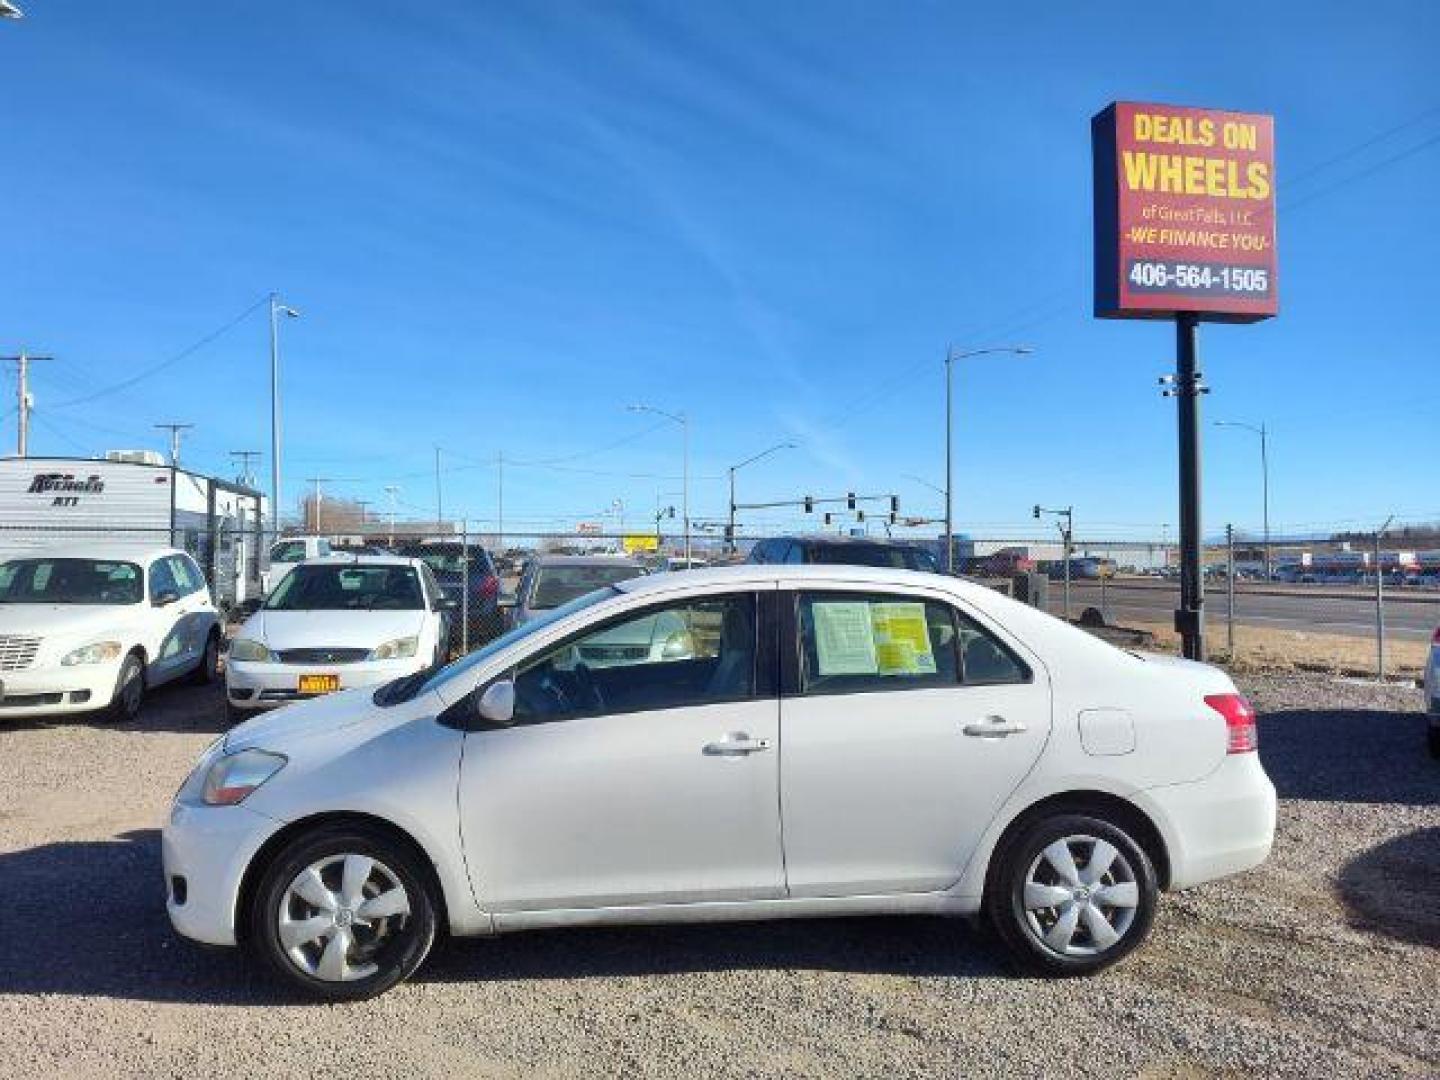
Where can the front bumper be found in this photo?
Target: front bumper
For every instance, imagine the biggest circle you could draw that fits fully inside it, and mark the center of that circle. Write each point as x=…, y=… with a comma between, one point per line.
x=205, y=850
x=1220, y=825
x=250, y=685
x=57, y=690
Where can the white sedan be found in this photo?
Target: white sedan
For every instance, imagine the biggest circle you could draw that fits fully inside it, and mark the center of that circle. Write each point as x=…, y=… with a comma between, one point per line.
x=836, y=740
x=89, y=628
x=334, y=623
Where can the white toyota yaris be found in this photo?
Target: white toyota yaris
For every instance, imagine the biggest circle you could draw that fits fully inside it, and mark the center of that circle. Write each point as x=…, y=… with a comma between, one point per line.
x=836, y=740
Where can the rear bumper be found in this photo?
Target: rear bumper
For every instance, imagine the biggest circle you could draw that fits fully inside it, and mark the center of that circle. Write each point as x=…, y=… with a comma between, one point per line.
x=1221, y=825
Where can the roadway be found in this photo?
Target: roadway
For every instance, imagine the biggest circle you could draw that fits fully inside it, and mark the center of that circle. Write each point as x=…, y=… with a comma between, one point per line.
x=1312, y=609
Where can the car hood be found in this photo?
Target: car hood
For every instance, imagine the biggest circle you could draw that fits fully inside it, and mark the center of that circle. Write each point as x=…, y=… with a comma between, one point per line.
x=51, y=620
x=304, y=721
x=330, y=629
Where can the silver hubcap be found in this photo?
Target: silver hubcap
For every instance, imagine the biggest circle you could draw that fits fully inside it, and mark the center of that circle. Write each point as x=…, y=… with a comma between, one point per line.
x=337, y=913
x=1081, y=895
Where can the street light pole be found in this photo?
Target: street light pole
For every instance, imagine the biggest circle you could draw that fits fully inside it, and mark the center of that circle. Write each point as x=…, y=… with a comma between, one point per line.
x=684, y=422
x=951, y=355
x=730, y=535
x=276, y=310
x=1264, y=434
x=1067, y=541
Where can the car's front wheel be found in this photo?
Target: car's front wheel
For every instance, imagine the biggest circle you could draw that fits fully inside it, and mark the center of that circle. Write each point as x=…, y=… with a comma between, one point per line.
x=129, y=693
x=208, y=669
x=343, y=913
x=1071, y=893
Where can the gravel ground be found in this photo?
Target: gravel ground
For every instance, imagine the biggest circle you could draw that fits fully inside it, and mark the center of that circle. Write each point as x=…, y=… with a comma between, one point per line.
x=1326, y=961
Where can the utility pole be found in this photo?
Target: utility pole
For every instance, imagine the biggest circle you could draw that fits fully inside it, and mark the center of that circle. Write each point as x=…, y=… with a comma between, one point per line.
x=1067, y=539
x=245, y=457
x=176, y=431
x=25, y=402
x=391, y=491
x=362, y=503
x=730, y=530
x=319, y=496
x=439, y=503
x=1380, y=600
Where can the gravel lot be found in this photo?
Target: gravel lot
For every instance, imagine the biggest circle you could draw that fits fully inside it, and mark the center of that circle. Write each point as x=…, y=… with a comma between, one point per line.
x=1324, y=962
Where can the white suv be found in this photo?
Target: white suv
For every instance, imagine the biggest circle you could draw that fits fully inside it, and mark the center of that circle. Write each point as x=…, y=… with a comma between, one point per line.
x=91, y=628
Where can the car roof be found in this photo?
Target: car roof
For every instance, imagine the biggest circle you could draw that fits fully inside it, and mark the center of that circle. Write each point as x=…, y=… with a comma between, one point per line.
x=346, y=558
x=117, y=550
x=854, y=541
x=798, y=573
x=587, y=560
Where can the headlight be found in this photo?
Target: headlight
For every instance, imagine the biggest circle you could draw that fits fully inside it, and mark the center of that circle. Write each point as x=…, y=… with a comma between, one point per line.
x=395, y=650
x=246, y=649
x=234, y=777
x=98, y=653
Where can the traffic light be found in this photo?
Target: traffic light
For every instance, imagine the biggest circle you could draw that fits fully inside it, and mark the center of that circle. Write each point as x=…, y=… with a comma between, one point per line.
x=893, y=517
x=894, y=506
x=1037, y=511
x=859, y=515
x=809, y=504
x=827, y=517
x=850, y=500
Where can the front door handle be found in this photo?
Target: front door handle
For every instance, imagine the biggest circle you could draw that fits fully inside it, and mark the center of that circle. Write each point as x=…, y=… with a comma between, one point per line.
x=994, y=727
x=736, y=744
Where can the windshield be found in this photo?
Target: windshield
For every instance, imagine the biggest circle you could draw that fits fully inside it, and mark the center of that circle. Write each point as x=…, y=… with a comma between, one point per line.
x=886, y=555
x=70, y=581
x=431, y=679
x=320, y=587
x=556, y=585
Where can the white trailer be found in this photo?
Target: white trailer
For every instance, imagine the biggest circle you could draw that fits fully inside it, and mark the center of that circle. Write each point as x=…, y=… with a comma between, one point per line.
x=135, y=495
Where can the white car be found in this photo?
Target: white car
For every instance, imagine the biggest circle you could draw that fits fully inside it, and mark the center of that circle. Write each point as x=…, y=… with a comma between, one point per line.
x=334, y=623
x=89, y=628
x=841, y=740
x=289, y=552
x=1432, y=694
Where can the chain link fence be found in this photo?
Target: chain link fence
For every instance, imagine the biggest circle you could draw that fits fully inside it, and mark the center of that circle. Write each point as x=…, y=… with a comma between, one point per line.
x=1333, y=606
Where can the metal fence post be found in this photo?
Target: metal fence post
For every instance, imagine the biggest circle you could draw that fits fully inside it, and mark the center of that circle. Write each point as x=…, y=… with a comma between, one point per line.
x=464, y=587
x=1230, y=589
x=1379, y=608
x=1104, y=595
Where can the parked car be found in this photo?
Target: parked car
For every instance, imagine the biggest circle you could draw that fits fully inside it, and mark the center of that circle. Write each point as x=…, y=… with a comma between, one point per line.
x=1432, y=693
x=551, y=581
x=840, y=740
x=843, y=550
x=287, y=553
x=92, y=627
x=336, y=623
x=447, y=561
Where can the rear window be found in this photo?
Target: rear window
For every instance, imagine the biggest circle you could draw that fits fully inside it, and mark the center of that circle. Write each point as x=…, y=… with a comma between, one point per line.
x=556, y=585
x=888, y=556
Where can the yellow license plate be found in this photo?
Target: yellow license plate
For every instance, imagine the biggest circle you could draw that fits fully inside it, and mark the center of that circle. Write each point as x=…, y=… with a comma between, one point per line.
x=319, y=684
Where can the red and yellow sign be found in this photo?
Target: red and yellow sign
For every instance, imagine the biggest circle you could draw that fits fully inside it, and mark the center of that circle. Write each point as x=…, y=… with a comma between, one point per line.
x=1184, y=213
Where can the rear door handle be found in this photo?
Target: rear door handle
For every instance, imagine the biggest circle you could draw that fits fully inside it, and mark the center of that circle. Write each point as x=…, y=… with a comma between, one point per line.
x=736, y=745
x=994, y=727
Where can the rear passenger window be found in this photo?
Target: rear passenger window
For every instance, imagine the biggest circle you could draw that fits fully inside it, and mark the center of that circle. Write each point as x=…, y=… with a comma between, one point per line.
x=984, y=660
x=860, y=642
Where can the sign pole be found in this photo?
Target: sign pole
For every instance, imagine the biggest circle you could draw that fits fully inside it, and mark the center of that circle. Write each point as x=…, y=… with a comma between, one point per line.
x=1190, y=616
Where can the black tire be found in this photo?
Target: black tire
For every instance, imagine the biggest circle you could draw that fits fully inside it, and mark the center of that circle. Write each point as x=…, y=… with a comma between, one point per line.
x=129, y=695
x=1434, y=734
x=208, y=670
x=394, y=950
x=1022, y=930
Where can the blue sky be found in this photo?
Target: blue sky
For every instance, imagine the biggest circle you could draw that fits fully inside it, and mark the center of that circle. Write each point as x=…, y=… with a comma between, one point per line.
x=505, y=222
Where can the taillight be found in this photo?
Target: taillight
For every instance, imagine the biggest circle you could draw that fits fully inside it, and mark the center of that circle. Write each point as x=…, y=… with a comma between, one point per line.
x=489, y=586
x=1241, y=735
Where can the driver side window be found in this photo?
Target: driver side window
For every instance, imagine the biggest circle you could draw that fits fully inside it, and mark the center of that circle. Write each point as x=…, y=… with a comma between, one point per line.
x=697, y=652
x=162, y=580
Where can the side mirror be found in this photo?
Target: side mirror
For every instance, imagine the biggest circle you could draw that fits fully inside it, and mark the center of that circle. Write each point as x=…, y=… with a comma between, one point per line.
x=678, y=646
x=496, y=707
x=166, y=598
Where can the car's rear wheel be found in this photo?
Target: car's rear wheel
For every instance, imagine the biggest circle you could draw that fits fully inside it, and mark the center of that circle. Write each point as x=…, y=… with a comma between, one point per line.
x=1071, y=893
x=129, y=692
x=209, y=668
x=343, y=913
